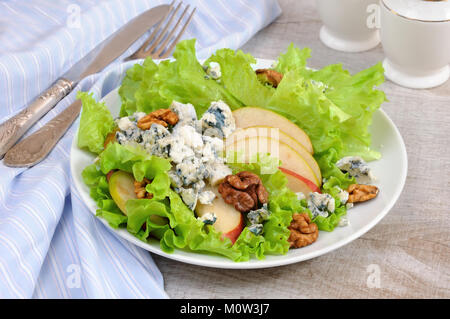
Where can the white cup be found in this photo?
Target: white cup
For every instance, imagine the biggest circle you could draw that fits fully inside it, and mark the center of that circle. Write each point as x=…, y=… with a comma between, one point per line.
x=349, y=25
x=415, y=35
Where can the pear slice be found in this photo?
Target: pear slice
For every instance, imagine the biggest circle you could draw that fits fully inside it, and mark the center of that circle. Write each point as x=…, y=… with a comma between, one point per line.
x=121, y=188
x=230, y=222
x=266, y=131
x=298, y=183
x=255, y=116
x=290, y=159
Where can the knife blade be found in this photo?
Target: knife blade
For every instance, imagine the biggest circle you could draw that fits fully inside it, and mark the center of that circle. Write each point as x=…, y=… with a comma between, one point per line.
x=95, y=61
x=116, y=44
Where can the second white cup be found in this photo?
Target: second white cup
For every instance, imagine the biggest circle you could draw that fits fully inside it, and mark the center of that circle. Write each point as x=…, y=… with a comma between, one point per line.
x=349, y=25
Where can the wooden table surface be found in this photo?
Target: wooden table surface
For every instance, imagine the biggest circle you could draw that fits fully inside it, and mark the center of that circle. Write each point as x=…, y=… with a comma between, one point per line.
x=408, y=250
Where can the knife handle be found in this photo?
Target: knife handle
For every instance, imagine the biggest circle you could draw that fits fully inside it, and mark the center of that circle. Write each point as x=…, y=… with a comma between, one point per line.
x=13, y=129
x=36, y=147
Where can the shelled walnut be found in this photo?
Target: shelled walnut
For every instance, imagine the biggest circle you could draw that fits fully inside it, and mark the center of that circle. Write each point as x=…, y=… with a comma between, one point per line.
x=110, y=138
x=269, y=76
x=164, y=117
x=139, y=189
x=108, y=176
x=303, y=231
x=361, y=193
x=244, y=191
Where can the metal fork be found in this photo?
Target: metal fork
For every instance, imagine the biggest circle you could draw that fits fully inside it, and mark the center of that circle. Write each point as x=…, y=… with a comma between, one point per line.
x=157, y=49
x=159, y=45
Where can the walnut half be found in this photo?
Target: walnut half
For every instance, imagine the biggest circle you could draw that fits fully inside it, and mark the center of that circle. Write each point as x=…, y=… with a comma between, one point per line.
x=361, y=193
x=244, y=191
x=110, y=138
x=139, y=189
x=303, y=231
x=164, y=117
x=269, y=76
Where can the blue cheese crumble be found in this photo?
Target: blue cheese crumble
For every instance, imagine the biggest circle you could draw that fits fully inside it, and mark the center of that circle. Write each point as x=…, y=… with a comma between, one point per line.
x=208, y=218
x=186, y=113
x=356, y=167
x=124, y=123
x=321, y=204
x=191, y=170
x=194, y=147
x=217, y=173
x=213, y=70
x=218, y=121
x=130, y=134
x=256, y=229
x=206, y=197
x=258, y=216
x=342, y=195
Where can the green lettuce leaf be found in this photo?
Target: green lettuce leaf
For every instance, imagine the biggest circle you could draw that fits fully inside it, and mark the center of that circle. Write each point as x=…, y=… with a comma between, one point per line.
x=149, y=87
x=240, y=79
x=134, y=81
x=293, y=59
x=334, y=107
x=95, y=123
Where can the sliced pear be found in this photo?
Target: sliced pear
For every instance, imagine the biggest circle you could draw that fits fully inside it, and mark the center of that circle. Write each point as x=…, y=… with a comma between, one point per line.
x=298, y=183
x=290, y=159
x=267, y=131
x=255, y=116
x=230, y=222
x=121, y=188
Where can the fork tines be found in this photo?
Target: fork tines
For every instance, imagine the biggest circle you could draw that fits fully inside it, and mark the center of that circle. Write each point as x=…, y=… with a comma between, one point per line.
x=163, y=39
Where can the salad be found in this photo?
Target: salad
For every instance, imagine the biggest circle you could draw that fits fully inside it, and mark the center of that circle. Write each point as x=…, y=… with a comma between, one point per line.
x=220, y=158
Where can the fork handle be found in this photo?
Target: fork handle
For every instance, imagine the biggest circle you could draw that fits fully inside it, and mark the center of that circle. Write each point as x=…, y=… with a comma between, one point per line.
x=13, y=129
x=38, y=145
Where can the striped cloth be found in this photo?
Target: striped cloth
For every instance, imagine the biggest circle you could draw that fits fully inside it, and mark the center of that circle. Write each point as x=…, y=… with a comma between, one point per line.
x=51, y=246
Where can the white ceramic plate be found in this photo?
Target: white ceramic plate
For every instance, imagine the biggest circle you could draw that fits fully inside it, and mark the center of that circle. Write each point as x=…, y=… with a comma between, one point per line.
x=390, y=172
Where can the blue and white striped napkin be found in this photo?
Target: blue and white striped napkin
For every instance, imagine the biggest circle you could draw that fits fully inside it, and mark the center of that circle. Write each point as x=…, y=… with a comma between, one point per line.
x=51, y=246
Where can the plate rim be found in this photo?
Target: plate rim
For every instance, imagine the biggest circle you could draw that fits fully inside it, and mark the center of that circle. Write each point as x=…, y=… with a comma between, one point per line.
x=252, y=263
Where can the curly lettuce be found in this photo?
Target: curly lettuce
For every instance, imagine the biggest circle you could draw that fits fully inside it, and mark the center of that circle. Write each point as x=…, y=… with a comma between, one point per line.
x=149, y=87
x=95, y=123
x=239, y=78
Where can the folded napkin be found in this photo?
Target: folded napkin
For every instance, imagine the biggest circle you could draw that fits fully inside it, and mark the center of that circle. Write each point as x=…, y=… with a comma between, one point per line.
x=51, y=246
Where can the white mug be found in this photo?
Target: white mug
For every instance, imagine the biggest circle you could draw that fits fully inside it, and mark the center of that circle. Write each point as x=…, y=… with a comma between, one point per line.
x=349, y=25
x=415, y=35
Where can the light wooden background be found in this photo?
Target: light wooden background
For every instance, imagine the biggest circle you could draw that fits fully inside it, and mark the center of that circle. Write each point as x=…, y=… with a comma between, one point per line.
x=410, y=245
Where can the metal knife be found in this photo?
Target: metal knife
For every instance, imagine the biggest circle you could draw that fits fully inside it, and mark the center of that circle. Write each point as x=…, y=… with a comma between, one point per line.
x=96, y=60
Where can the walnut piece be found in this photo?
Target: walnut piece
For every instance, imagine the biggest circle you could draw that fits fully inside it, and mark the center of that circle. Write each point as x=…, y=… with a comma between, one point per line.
x=361, y=193
x=164, y=117
x=303, y=231
x=139, y=189
x=110, y=138
x=269, y=76
x=108, y=176
x=244, y=191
